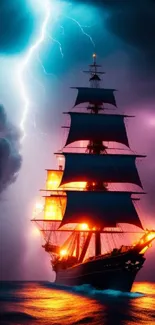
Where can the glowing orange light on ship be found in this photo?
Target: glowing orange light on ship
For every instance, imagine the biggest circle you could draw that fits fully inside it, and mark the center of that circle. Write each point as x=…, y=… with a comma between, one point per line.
x=144, y=250
x=150, y=236
x=84, y=226
x=75, y=185
x=63, y=252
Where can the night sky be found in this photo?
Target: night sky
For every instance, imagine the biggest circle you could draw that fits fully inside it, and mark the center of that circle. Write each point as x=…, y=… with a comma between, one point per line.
x=123, y=32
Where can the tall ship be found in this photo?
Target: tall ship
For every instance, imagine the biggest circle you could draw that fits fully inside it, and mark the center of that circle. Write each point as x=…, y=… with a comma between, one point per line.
x=87, y=214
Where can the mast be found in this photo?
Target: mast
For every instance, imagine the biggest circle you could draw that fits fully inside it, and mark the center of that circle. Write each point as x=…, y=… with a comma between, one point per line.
x=77, y=245
x=85, y=247
x=96, y=147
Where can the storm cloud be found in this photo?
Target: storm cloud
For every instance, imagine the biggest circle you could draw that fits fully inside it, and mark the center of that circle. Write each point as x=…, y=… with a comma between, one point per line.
x=10, y=157
x=133, y=22
x=16, y=26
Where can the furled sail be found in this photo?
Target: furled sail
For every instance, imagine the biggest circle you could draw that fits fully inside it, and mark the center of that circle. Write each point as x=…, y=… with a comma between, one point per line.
x=97, y=127
x=109, y=168
x=100, y=209
x=96, y=96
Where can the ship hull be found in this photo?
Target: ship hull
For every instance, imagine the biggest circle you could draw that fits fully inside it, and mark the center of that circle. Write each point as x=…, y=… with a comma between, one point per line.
x=116, y=273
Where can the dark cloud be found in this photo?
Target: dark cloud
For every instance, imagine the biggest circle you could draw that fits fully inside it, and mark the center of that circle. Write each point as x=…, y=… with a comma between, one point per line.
x=133, y=22
x=10, y=158
x=16, y=26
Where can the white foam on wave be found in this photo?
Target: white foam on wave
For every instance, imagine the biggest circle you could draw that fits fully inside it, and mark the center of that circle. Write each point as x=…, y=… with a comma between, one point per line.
x=87, y=289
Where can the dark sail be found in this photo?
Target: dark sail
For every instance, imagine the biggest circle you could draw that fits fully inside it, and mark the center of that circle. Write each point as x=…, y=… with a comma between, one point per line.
x=97, y=127
x=109, y=168
x=100, y=209
x=96, y=96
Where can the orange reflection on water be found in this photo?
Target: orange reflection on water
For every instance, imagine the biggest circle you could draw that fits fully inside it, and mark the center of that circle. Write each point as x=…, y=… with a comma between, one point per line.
x=148, y=289
x=144, y=287
x=54, y=306
x=45, y=304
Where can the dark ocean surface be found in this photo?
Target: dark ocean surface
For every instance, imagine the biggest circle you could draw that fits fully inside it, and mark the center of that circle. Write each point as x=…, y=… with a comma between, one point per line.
x=43, y=303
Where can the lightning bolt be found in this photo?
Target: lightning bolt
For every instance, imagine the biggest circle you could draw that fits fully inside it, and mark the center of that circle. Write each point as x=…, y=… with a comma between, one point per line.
x=32, y=50
x=25, y=62
x=81, y=28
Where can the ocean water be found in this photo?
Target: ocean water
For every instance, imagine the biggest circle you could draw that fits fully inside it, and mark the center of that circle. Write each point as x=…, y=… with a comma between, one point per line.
x=43, y=303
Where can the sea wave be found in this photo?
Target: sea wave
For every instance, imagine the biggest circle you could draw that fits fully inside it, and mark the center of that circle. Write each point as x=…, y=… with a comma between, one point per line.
x=88, y=290
x=15, y=316
x=85, y=288
x=44, y=303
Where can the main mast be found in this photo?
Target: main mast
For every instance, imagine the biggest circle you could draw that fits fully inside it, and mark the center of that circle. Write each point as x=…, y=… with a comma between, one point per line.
x=96, y=147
